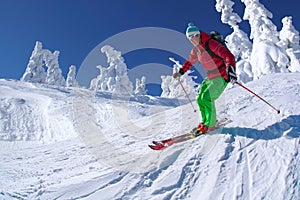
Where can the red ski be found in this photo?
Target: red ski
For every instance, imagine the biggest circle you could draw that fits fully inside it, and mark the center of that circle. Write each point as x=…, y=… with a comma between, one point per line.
x=162, y=144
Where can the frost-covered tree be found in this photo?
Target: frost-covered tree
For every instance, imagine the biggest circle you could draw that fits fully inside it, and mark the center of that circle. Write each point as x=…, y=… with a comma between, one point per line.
x=237, y=42
x=140, y=86
x=228, y=16
x=241, y=47
x=39, y=59
x=35, y=71
x=114, y=78
x=99, y=82
x=266, y=57
x=54, y=73
x=289, y=36
x=171, y=87
x=289, y=40
x=71, y=77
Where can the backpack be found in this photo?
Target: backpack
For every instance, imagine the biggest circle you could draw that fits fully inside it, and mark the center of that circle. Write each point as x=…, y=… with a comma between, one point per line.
x=214, y=36
x=217, y=36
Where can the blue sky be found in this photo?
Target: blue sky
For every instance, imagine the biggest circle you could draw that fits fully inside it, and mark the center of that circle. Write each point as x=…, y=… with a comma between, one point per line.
x=75, y=27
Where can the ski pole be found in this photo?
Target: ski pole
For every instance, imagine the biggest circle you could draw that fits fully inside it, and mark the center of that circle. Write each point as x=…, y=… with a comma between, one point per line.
x=186, y=94
x=278, y=111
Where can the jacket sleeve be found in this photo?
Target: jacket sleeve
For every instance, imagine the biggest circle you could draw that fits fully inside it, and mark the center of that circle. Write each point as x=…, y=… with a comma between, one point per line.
x=192, y=59
x=222, y=51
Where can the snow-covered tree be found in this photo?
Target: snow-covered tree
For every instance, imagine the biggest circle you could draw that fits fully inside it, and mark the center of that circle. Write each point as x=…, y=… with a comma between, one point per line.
x=266, y=57
x=237, y=42
x=114, y=78
x=35, y=72
x=228, y=16
x=289, y=40
x=54, y=73
x=171, y=87
x=140, y=86
x=99, y=83
x=39, y=59
x=71, y=77
x=240, y=45
x=289, y=36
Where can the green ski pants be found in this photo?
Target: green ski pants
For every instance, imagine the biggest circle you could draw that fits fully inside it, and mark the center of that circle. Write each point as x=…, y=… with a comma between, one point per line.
x=210, y=90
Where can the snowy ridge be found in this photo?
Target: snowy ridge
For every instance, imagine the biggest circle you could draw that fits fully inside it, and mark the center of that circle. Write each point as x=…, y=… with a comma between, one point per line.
x=55, y=154
x=34, y=113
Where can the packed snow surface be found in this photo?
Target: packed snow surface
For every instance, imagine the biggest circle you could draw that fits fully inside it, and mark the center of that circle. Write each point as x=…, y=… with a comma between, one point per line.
x=63, y=143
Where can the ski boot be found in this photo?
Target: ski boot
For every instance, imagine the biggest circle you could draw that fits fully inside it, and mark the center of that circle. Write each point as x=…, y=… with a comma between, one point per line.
x=202, y=129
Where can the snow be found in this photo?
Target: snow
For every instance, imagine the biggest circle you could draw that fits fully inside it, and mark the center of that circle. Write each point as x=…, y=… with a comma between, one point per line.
x=171, y=88
x=30, y=114
x=74, y=143
x=140, y=87
x=71, y=77
x=114, y=78
x=60, y=142
x=35, y=69
x=270, y=51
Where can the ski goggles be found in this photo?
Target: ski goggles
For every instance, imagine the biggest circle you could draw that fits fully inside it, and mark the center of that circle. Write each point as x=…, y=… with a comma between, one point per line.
x=195, y=35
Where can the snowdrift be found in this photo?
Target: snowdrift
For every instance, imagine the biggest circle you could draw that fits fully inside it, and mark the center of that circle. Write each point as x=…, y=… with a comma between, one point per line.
x=31, y=112
x=73, y=144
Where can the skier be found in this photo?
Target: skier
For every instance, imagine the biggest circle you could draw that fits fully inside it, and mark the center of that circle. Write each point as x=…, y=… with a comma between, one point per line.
x=219, y=65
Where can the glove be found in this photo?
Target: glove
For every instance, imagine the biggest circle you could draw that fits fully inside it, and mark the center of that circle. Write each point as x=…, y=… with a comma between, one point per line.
x=231, y=74
x=178, y=74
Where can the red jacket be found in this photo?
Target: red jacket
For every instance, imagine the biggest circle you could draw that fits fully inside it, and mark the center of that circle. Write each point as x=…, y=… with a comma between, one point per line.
x=215, y=66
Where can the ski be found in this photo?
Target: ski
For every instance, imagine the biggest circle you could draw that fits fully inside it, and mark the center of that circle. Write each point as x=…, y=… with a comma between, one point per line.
x=162, y=144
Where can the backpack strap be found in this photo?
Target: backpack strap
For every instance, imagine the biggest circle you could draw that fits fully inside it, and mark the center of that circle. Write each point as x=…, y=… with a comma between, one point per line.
x=212, y=54
x=207, y=48
x=209, y=51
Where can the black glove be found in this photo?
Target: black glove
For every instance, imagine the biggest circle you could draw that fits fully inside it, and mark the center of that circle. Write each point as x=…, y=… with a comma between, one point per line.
x=178, y=74
x=231, y=74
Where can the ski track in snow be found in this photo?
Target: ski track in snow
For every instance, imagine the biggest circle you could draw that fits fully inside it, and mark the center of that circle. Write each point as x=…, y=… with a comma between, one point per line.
x=63, y=144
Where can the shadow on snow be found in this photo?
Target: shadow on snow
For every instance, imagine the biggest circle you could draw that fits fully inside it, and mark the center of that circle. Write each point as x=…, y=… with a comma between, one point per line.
x=288, y=127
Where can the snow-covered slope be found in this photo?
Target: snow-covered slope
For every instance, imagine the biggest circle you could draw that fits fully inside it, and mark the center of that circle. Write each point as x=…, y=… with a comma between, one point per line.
x=34, y=113
x=74, y=144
